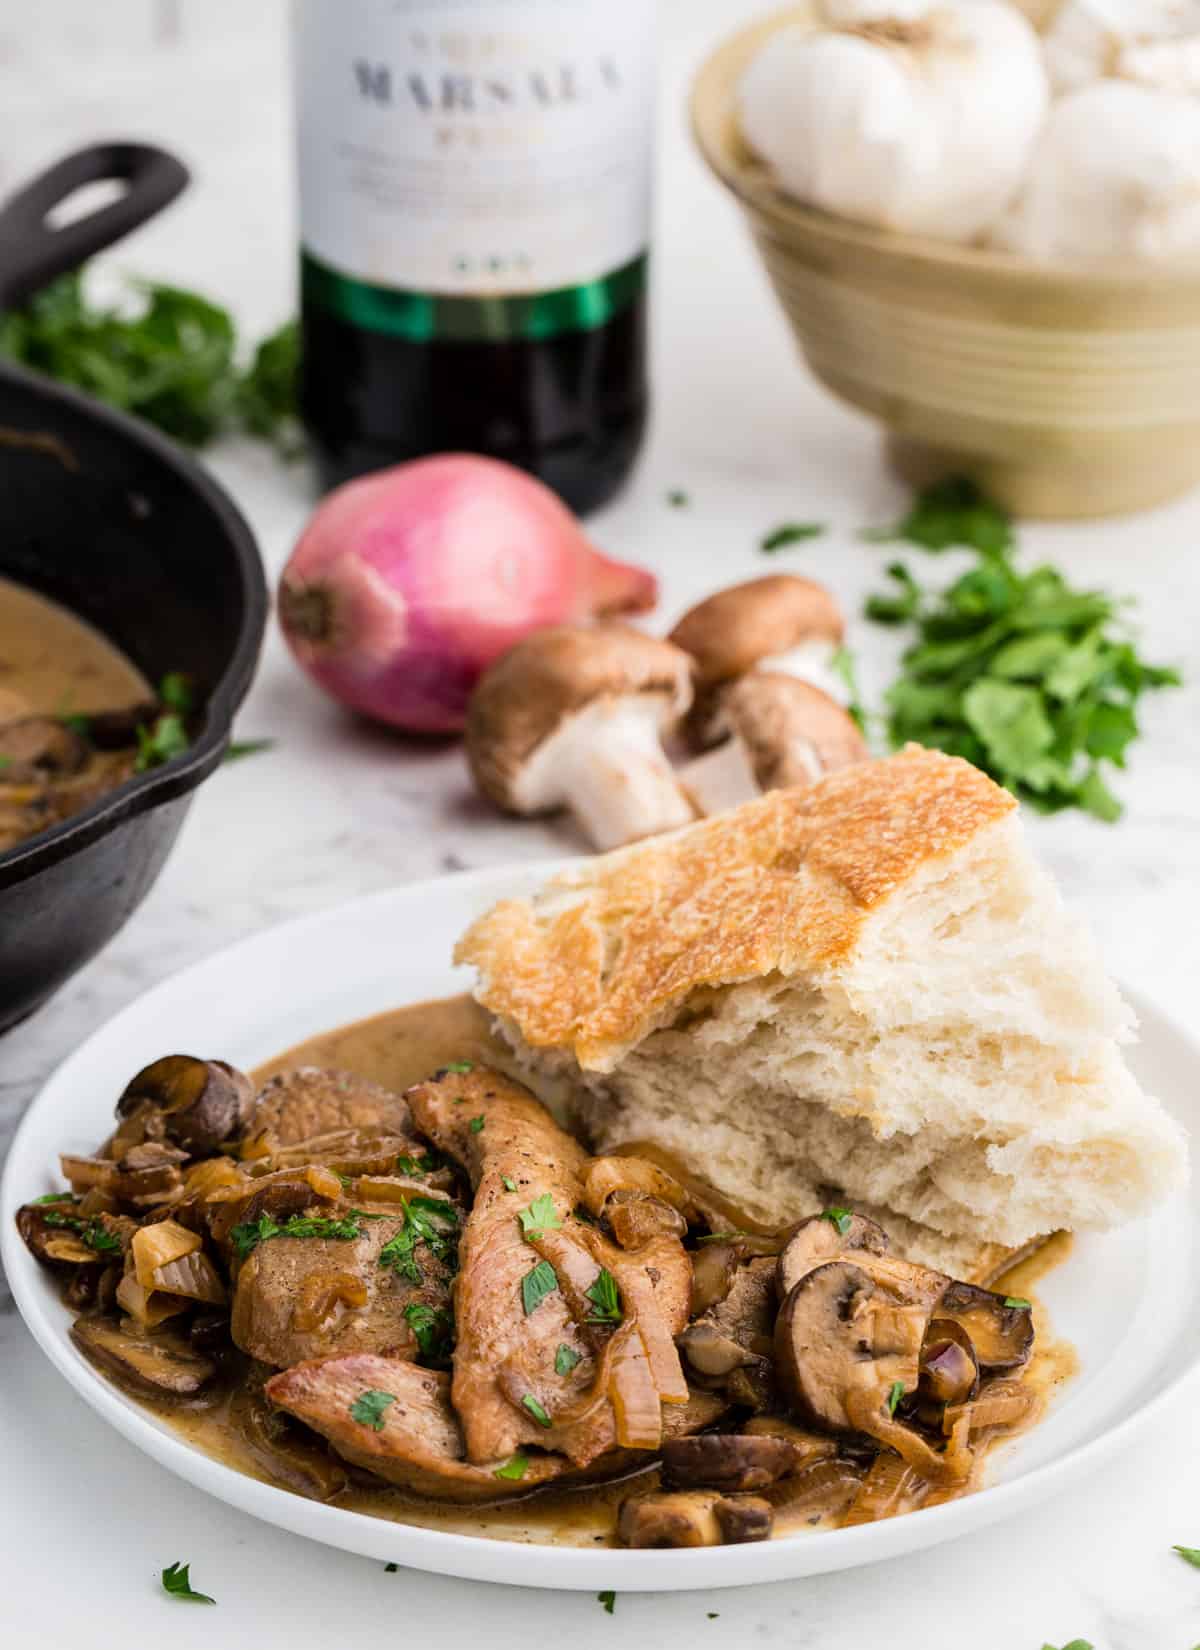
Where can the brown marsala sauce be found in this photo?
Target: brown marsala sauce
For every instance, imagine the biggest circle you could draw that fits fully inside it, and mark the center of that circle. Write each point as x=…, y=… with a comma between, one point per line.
x=401, y=1047
x=55, y=664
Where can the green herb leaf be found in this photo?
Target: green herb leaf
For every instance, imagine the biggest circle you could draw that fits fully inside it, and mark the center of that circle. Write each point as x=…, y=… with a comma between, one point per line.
x=1191, y=1554
x=839, y=1217
x=608, y=1599
x=459, y=1066
x=433, y=1328
x=1075, y=1644
x=507, y=1181
x=790, y=532
x=390, y=1569
x=1011, y=722
x=176, y=692
x=530, y=1403
x=476, y=1125
x=678, y=499
x=951, y=512
x=428, y=1163
x=605, y=1298
x=57, y=1197
x=92, y=1232
x=565, y=1359
x=427, y=1220
x=1018, y=1302
x=539, y=1217
x=842, y=663
x=247, y=1236
x=515, y=1469
x=267, y=398
x=900, y=608
x=894, y=1396
x=175, y=1580
x=536, y=1285
x=165, y=738
x=367, y=1409
x=236, y=749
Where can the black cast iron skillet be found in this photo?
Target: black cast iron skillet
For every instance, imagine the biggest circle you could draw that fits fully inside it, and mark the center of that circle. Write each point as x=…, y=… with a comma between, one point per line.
x=100, y=512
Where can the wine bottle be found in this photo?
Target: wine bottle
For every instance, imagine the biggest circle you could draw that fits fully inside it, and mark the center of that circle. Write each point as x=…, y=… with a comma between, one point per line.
x=474, y=216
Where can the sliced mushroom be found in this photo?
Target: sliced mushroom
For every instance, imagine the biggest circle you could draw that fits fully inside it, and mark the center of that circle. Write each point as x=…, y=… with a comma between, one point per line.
x=711, y=1353
x=715, y=1265
x=949, y=1367
x=637, y=1219
x=287, y=1453
x=40, y=747
x=768, y=732
x=693, y=1518
x=1001, y=1335
x=834, y=1235
x=572, y=718
x=203, y=1102
x=161, y=1365
x=727, y=1461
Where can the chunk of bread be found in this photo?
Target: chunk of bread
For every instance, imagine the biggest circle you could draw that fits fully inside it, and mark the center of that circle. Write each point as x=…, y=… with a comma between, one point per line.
x=865, y=984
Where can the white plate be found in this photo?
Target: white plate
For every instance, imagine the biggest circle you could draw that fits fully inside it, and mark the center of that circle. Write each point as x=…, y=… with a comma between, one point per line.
x=1134, y=1321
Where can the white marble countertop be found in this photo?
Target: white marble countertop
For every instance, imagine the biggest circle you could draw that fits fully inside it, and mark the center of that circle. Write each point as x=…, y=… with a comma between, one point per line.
x=335, y=810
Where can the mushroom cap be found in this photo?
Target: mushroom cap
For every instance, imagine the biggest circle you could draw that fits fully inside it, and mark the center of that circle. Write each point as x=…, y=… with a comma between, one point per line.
x=819, y=1238
x=729, y=634
x=792, y=731
x=527, y=694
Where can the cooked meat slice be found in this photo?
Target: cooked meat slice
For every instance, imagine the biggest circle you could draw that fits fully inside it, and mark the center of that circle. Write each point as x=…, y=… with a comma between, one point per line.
x=308, y=1297
x=693, y=1518
x=409, y=1433
x=312, y=1100
x=511, y=1345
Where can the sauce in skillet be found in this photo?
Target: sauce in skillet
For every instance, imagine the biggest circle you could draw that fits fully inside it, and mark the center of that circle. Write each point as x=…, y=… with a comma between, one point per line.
x=55, y=672
x=401, y=1047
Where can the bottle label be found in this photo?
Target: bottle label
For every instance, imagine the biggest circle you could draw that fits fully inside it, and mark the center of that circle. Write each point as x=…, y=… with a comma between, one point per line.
x=474, y=168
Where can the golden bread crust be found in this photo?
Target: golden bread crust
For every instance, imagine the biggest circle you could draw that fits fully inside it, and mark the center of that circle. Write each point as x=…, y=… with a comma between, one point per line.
x=783, y=883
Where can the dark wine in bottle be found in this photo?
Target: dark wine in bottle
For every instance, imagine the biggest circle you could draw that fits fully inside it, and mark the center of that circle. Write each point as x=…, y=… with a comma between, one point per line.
x=474, y=208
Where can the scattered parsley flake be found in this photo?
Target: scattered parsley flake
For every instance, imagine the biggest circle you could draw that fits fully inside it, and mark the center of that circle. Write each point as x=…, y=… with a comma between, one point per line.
x=839, y=1217
x=92, y=1232
x=57, y=1197
x=1190, y=1554
x=507, y=1181
x=539, y=1217
x=678, y=499
x=459, y=1066
x=476, y=1124
x=536, y=1285
x=164, y=738
x=515, y=1469
x=176, y=692
x=894, y=1396
x=1018, y=1302
x=175, y=1580
x=247, y=1236
x=367, y=1409
x=428, y=1220
x=390, y=1569
x=608, y=1599
x=431, y=1326
x=237, y=748
x=790, y=532
x=565, y=1359
x=605, y=1298
x=719, y=1237
x=535, y=1409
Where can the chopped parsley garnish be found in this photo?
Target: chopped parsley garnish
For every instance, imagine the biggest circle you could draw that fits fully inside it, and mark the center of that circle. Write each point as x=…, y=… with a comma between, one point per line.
x=175, y=1580
x=431, y=1326
x=163, y=739
x=539, y=1217
x=1018, y=1302
x=1190, y=1554
x=237, y=748
x=839, y=1217
x=367, y=1409
x=790, y=532
x=605, y=1298
x=57, y=1197
x=894, y=1396
x=678, y=499
x=507, y=1181
x=459, y=1066
x=608, y=1599
x=428, y=1220
x=1075, y=1644
x=176, y=692
x=91, y=1232
x=1030, y=678
x=565, y=1359
x=476, y=1125
x=390, y=1569
x=844, y=666
x=428, y=1163
x=516, y=1468
x=530, y=1403
x=250, y=1233
x=536, y=1285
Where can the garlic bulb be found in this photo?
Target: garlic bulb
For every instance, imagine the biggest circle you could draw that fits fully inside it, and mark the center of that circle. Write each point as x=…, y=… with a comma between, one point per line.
x=843, y=14
x=1117, y=174
x=1087, y=38
x=1171, y=65
x=921, y=118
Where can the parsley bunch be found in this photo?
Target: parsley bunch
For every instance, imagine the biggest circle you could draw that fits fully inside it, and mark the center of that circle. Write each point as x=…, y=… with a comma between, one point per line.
x=171, y=359
x=1032, y=680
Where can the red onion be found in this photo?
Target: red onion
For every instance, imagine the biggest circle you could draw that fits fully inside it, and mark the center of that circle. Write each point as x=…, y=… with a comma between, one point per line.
x=407, y=584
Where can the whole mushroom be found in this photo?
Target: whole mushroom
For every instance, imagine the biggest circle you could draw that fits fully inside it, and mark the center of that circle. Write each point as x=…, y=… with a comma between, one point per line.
x=767, y=732
x=573, y=717
x=765, y=622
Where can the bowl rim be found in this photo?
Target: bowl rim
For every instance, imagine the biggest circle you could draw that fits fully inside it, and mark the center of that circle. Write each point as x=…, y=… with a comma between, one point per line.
x=184, y=772
x=710, y=103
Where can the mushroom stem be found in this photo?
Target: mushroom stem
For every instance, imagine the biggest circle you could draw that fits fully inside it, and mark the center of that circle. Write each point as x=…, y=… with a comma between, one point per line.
x=616, y=778
x=722, y=778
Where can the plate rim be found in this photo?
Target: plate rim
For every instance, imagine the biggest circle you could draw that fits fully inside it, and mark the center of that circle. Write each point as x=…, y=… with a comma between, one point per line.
x=486, y=1558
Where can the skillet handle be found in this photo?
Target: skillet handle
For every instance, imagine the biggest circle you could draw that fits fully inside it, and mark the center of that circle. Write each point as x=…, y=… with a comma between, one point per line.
x=32, y=253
